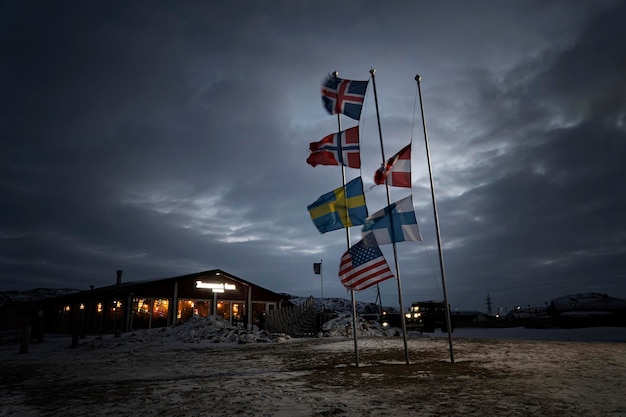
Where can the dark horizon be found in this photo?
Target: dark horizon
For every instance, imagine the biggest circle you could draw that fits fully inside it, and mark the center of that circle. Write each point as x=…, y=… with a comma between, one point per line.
x=34, y=294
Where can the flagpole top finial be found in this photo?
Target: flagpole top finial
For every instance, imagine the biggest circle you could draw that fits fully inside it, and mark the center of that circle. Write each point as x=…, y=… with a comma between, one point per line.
x=418, y=78
x=372, y=71
x=336, y=74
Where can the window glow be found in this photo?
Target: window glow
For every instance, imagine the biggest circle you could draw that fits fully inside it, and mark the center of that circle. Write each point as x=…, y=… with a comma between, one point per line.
x=160, y=307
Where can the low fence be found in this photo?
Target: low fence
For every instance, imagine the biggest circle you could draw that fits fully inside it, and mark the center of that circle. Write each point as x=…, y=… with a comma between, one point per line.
x=296, y=321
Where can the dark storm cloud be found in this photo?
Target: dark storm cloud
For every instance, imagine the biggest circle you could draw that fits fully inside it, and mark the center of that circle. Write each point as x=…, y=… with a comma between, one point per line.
x=165, y=139
x=548, y=217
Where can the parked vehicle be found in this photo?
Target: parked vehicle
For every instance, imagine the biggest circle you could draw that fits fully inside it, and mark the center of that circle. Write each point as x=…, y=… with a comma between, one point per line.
x=426, y=316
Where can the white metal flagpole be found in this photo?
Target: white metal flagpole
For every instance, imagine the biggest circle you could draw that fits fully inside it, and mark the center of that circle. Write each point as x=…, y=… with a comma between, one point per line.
x=418, y=78
x=343, y=176
x=395, y=252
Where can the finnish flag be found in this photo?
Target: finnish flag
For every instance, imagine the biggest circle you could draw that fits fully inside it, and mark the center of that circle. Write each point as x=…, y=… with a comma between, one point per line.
x=394, y=223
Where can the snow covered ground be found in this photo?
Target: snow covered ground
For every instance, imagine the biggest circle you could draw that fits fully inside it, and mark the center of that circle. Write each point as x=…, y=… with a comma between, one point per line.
x=207, y=367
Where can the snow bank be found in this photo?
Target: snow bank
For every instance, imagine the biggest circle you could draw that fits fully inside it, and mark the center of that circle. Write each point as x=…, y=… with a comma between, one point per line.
x=212, y=329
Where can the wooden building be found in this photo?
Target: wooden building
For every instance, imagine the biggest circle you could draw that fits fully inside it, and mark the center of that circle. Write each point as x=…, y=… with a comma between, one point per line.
x=160, y=303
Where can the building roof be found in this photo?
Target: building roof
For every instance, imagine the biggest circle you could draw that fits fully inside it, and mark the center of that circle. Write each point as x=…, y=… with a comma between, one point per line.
x=138, y=286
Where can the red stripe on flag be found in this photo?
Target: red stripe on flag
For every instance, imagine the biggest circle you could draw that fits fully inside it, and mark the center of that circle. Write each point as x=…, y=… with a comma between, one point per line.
x=364, y=281
x=352, y=135
x=364, y=276
x=322, y=158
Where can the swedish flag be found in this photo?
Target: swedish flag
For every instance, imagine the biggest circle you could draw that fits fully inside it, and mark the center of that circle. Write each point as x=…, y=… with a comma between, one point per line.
x=343, y=207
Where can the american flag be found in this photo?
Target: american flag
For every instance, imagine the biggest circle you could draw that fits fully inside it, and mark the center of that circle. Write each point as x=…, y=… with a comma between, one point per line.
x=397, y=170
x=363, y=265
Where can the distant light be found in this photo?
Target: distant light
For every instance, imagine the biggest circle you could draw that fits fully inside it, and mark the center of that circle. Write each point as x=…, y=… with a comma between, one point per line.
x=216, y=287
x=200, y=284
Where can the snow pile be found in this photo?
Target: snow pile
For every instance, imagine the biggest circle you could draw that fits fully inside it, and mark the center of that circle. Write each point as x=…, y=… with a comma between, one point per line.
x=212, y=329
x=217, y=330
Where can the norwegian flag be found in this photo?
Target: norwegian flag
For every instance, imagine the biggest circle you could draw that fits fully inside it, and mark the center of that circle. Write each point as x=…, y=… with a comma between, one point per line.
x=344, y=96
x=397, y=170
x=337, y=149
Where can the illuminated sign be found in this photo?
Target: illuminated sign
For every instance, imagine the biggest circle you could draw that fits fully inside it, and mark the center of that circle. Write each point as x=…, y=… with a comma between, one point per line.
x=216, y=287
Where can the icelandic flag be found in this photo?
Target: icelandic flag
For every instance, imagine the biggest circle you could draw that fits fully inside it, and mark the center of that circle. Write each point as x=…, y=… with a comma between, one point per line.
x=337, y=149
x=340, y=208
x=343, y=96
x=397, y=170
x=394, y=223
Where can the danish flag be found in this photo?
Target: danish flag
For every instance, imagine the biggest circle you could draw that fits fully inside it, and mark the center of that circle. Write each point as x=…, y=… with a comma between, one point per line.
x=397, y=170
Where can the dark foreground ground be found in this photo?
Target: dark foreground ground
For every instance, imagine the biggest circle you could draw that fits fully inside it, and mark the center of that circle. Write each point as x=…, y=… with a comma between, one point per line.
x=314, y=377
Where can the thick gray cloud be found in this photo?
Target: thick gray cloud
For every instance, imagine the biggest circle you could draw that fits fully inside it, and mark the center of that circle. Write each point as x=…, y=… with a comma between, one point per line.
x=164, y=139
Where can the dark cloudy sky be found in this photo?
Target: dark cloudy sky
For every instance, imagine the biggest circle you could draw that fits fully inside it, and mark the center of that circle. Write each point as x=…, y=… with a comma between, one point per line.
x=165, y=138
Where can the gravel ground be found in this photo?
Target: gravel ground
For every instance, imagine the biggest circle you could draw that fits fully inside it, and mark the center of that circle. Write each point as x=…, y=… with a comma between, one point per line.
x=313, y=377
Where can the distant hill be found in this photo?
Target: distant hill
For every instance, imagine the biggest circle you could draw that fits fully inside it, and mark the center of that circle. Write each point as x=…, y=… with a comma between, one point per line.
x=36, y=294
